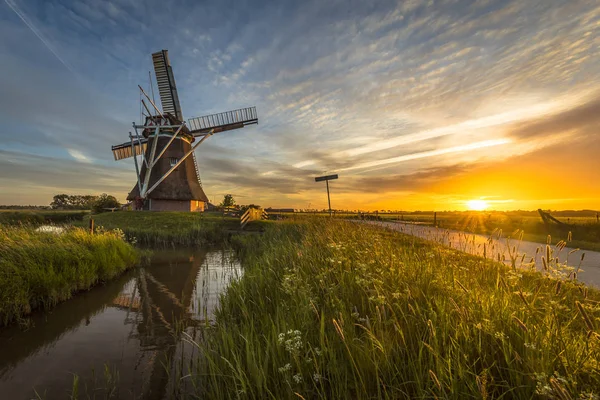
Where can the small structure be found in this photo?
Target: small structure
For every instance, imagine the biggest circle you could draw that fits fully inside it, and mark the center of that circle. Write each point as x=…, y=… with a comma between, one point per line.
x=168, y=178
x=252, y=214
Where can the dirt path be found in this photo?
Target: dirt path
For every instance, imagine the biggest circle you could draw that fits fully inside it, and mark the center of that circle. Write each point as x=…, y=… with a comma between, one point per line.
x=478, y=244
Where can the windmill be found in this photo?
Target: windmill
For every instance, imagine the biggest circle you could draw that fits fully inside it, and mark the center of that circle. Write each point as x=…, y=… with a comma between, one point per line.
x=167, y=176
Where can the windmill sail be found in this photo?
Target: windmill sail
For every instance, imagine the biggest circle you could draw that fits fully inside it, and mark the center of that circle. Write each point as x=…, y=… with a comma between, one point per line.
x=224, y=121
x=124, y=150
x=166, y=84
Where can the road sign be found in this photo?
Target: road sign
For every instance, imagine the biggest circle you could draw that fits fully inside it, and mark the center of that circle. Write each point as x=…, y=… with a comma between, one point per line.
x=325, y=178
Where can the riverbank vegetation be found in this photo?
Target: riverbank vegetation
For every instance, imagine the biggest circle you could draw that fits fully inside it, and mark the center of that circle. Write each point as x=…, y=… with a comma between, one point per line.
x=334, y=309
x=168, y=229
x=39, y=217
x=39, y=268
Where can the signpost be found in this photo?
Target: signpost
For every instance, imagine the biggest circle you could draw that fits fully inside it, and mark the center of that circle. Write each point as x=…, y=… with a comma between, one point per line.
x=327, y=178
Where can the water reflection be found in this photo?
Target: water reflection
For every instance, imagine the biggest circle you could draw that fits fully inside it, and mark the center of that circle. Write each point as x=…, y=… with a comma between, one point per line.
x=117, y=337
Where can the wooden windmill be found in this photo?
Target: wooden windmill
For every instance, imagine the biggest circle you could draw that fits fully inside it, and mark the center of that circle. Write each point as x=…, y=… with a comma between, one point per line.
x=167, y=175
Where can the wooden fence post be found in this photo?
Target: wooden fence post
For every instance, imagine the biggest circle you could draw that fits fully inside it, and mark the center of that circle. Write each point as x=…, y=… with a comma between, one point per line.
x=91, y=226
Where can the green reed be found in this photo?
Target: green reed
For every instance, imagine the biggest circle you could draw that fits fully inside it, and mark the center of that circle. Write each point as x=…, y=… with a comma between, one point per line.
x=40, y=269
x=334, y=309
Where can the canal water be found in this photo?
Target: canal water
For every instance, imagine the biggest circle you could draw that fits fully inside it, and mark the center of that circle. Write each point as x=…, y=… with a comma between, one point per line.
x=118, y=339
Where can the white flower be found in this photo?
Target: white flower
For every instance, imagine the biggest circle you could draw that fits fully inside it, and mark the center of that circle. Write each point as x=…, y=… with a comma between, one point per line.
x=292, y=340
x=317, y=377
x=531, y=346
x=285, y=368
x=297, y=378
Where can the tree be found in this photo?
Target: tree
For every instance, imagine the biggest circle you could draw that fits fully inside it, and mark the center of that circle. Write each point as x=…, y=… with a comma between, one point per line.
x=228, y=201
x=105, y=201
x=73, y=202
x=60, y=201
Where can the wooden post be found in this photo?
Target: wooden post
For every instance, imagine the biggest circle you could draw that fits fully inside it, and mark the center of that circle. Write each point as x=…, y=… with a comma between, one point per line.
x=435, y=219
x=91, y=226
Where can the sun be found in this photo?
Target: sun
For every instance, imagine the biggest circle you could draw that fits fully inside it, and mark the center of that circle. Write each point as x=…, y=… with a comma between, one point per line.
x=477, y=205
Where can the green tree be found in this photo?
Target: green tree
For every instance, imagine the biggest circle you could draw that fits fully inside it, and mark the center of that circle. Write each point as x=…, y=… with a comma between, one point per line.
x=105, y=201
x=228, y=201
x=60, y=201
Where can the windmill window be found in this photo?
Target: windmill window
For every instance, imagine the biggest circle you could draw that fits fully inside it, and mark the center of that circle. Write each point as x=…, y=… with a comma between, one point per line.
x=173, y=161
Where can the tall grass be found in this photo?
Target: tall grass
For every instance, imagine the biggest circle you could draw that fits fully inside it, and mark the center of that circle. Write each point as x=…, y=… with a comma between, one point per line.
x=332, y=309
x=170, y=229
x=38, y=269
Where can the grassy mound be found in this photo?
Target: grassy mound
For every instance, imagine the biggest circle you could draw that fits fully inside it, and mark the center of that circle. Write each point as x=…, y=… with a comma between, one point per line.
x=333, y=309
x=40, y=269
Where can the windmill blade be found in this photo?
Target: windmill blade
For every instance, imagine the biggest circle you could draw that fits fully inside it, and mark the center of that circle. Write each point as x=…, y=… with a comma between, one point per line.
x=224, y=121
x=124, y=150
x=166, y=84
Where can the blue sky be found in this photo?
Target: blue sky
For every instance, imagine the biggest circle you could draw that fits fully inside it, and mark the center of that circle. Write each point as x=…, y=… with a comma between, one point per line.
x=401, y=98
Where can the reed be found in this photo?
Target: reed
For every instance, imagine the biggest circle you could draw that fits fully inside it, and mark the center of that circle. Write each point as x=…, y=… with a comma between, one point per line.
x=39, y=269
x=333, y=309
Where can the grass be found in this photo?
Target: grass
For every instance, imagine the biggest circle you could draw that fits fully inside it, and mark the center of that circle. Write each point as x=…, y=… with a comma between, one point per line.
x=583, y=225
x=38, y=269
x=333, y=309
x=39, y=217
x=172, y=228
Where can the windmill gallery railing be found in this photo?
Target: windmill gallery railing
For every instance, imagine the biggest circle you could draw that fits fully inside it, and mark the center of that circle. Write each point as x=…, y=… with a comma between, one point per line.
x=220, y=121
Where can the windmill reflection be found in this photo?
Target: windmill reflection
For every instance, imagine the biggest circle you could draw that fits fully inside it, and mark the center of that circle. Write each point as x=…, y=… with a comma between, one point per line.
x=177, y=292
x=134, y=324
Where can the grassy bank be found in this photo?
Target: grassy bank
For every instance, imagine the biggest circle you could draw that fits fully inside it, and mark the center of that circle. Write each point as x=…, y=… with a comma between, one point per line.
x=38, y=217
x=172, y=228
x=332, y=309
x=38, y=270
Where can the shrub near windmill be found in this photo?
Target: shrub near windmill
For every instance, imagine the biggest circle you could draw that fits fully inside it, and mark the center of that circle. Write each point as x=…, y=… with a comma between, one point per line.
x=167, y=174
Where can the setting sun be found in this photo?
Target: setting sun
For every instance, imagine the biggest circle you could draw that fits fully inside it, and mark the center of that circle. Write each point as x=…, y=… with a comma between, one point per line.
x=477, y=205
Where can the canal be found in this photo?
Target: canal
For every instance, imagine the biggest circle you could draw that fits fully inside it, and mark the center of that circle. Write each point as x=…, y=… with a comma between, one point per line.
x=124, y=339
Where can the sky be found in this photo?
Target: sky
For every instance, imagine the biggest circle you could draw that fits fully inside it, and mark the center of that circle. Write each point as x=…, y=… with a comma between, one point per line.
x=416, y=104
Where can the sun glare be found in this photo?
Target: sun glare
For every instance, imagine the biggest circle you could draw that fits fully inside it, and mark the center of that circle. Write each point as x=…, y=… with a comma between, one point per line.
x=477, y=205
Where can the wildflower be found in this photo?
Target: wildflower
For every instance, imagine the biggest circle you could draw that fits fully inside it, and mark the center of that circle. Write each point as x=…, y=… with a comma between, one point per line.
x=318, y=351
x=317, y=377
x=531, y=346
x=285, y=368
x=292, y=340
x=500, y=335
x=297, y=378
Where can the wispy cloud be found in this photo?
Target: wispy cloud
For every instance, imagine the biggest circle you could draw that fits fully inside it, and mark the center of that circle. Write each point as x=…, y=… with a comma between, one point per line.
x=79, y=156
x=431, y=153
x=378, y=90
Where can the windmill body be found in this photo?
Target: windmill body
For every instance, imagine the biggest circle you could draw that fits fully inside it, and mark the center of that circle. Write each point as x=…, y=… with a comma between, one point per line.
x=167, y=173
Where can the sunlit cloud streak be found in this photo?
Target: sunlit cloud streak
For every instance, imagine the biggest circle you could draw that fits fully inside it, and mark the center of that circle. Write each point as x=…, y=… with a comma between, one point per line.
x=431, y=153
